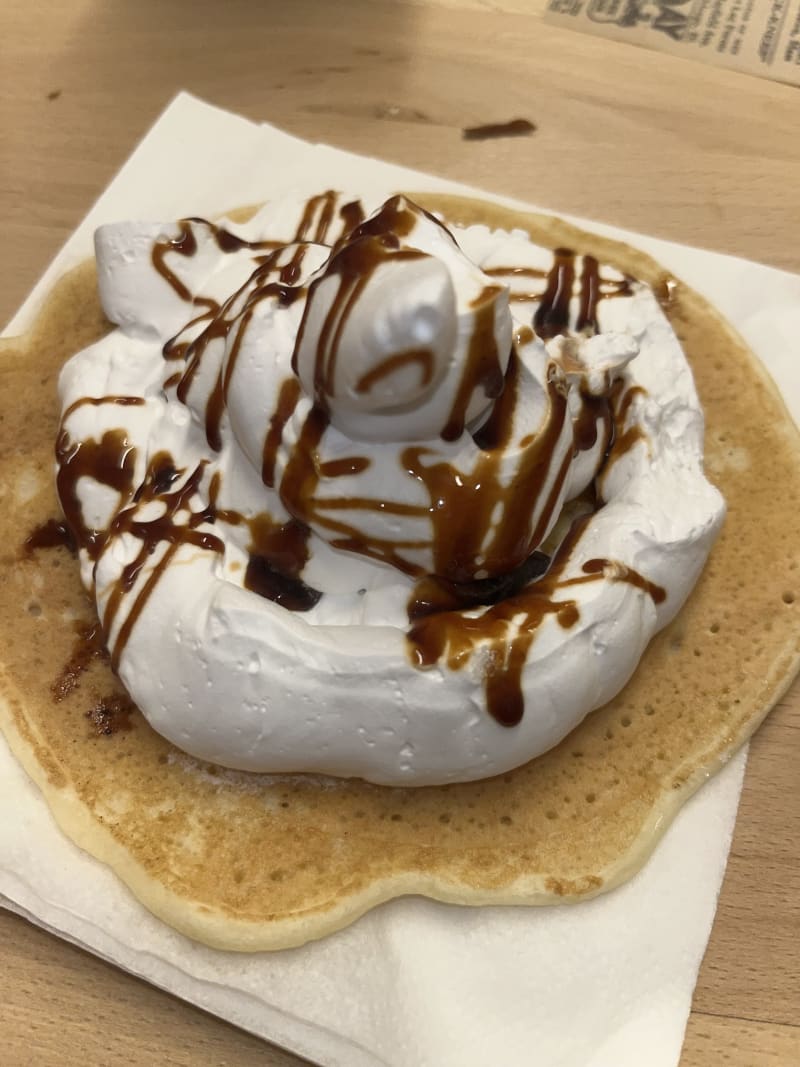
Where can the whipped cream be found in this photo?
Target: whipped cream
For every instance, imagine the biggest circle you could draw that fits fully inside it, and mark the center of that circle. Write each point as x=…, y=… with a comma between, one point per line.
x=359, y=495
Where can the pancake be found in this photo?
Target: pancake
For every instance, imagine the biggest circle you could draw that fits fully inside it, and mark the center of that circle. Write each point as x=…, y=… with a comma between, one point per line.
x=250, y=862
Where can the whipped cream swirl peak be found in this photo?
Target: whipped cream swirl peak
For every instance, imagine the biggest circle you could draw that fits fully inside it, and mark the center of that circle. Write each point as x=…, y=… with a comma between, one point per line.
x=357, y=494
x=403, y=338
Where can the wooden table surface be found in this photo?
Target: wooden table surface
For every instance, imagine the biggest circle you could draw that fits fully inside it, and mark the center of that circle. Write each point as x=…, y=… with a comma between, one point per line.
x=662, y=145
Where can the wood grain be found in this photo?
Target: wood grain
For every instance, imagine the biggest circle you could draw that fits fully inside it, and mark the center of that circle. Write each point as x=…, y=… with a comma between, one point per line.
x=654, y=143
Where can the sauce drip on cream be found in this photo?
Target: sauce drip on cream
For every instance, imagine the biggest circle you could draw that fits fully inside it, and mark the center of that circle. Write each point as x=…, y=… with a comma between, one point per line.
x=492, y=587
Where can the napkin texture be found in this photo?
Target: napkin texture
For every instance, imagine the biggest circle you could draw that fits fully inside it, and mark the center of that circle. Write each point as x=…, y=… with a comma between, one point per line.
x=603, y=983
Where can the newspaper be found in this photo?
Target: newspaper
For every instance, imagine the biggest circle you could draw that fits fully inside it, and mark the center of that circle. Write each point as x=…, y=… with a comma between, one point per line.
x=760, y=37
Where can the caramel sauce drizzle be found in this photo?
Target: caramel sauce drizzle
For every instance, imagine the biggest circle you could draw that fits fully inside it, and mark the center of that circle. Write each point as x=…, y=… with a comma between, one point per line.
x=525, y=595
x=483, y=366
x=463, y=504
x=109, y=461
x=553, y=314
x=185, y=244
x=99, y=401
x=352, y=215
x=313, y=227
x=625, y=439
x=151, y=533
x=48, y=534
x=515, y=272
x=423, y=357
x=594, y=409
x=289, y=395
x=322, y=206
x=353, y=263
x=233, y=316
x=506, y=630
x=278, y=552
x=298, y=492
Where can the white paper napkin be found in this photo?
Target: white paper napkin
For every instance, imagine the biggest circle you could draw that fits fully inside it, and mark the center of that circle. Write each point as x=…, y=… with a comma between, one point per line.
x=605, y=983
